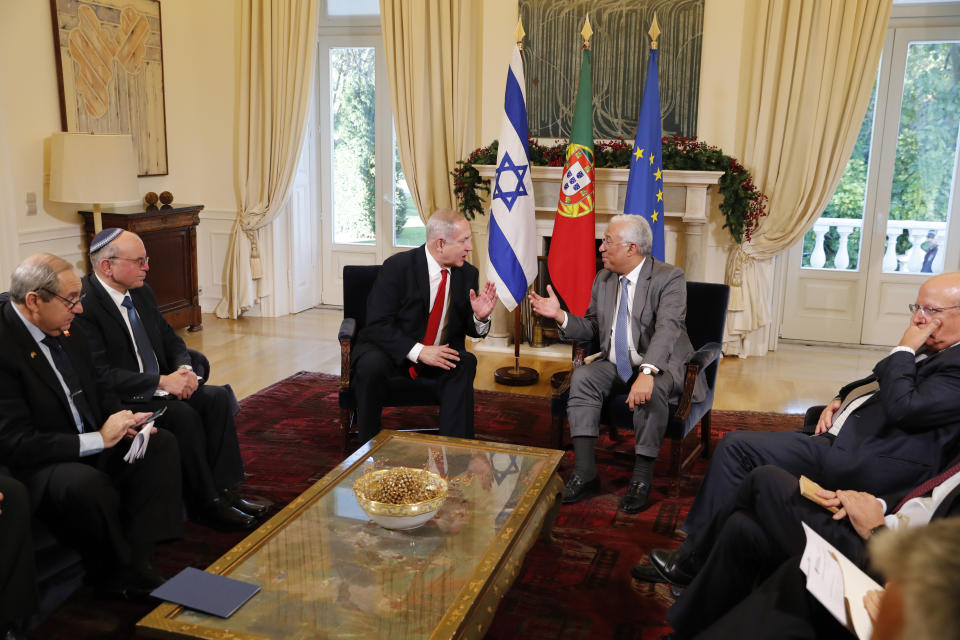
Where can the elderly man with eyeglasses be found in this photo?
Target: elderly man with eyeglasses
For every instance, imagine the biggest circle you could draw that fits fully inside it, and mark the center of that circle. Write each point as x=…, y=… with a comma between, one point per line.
x=141, y=358
x=883, y=434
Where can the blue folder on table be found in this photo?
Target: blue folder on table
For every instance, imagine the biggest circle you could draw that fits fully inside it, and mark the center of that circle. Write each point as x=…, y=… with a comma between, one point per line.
x=206, y=592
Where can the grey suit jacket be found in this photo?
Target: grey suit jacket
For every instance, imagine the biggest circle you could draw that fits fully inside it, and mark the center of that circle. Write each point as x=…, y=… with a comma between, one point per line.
x=658, y=321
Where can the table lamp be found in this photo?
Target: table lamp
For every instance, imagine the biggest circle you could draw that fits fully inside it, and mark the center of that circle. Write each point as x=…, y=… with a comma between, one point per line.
x=93, y=168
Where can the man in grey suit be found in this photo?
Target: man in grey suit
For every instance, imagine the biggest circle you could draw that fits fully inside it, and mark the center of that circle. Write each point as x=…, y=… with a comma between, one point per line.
x=636, y=317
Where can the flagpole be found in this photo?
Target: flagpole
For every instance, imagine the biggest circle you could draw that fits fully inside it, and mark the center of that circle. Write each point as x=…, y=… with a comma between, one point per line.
x=517, y=376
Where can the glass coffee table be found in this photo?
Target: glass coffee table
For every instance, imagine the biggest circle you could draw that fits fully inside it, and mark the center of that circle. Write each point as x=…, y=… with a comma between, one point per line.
x=327, y=571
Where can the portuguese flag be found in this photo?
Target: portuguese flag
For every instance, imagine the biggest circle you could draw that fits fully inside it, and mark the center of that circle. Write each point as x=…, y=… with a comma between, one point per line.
x=572, y=258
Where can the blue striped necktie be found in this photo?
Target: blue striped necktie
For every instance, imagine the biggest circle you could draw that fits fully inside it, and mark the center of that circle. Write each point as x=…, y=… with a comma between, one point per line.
x=624, y=368
x=147, y=356
x=62, y=362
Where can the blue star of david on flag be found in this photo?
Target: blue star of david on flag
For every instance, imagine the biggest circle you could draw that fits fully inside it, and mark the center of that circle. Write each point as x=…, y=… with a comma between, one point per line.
x=506, y=169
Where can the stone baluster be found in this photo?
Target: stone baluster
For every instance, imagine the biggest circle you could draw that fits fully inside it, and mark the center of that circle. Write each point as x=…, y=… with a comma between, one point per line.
x=818, y=258
x=915, y=259
x=890, y=255
x=842, y=260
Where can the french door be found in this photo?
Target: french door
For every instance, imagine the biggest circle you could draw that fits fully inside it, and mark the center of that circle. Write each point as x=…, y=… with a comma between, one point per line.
x=890, y=224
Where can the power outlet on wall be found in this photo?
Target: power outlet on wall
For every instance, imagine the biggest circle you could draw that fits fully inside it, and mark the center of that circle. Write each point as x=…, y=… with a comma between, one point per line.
x=31, y=203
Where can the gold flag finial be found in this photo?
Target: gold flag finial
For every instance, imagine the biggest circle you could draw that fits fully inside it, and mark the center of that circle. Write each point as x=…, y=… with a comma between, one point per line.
x=519, y=33
x=586, y=32
x=654, y=32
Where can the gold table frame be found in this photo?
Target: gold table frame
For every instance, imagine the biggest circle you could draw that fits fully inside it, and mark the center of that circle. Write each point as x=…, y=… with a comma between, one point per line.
x=475, y=604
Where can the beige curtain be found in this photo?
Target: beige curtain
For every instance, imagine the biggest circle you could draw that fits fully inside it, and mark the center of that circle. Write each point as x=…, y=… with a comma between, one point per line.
x=433, y=52
x=277, y=61
x=807, y=80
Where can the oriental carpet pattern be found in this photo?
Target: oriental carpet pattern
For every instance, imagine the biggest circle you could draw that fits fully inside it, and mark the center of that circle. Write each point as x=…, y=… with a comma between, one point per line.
x=578, y=586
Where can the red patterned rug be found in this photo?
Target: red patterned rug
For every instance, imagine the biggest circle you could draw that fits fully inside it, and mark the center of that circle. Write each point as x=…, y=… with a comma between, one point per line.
x=574, y=588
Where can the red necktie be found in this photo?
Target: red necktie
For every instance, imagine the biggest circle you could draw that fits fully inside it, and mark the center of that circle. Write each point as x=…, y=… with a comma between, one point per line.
x=929, y=485
x=433, y=322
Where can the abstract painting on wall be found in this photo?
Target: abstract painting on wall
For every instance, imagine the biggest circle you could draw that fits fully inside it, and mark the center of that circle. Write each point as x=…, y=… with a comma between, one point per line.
x=110, y=71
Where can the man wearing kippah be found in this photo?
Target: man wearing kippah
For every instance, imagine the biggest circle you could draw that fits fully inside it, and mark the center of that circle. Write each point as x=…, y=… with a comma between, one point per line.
x=140, y=357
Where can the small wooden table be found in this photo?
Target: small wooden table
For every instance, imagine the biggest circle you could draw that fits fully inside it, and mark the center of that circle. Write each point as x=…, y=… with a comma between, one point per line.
x=169, y=233
x=326, y=571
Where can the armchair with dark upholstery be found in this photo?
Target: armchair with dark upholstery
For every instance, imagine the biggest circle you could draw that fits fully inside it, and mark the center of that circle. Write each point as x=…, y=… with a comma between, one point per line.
x=403, y=392
x=706, y=314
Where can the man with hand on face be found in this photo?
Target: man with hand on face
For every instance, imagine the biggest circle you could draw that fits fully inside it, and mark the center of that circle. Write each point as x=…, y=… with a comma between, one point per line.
x=883, y=434
x=636, y=317
x=54, y=440
x=140, y=358
x=421, y=308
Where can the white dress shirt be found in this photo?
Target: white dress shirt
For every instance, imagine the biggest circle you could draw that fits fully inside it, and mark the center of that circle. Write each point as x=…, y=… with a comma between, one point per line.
x=434, y=271
x=117, y=298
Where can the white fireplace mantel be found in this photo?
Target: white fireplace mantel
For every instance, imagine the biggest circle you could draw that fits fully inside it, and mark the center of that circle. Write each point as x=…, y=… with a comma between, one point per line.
x=685, y=203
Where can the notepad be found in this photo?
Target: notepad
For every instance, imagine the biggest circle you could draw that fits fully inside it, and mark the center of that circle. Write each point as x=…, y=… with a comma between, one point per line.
x=206, y=592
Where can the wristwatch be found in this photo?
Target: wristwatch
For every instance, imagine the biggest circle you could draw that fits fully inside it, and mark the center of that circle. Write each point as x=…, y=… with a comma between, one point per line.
x=647, y=371
x=877, y=529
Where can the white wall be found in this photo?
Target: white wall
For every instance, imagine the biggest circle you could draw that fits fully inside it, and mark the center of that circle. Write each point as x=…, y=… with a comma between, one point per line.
x=199, y=50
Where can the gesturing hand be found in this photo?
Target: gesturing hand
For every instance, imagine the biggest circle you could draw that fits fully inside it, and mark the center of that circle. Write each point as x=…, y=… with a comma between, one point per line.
x=484, y=303
x=826, y=416
x=440, y=355
x=548, y=307
x=863, y=509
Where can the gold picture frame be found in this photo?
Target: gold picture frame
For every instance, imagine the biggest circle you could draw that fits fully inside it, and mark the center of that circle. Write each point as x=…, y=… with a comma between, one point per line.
x=110, y=73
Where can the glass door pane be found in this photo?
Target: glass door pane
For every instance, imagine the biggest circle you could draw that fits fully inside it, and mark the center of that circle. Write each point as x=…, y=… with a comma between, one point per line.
x=408, y=229
x=925, y=164
x=352, y=118
x=834, y=240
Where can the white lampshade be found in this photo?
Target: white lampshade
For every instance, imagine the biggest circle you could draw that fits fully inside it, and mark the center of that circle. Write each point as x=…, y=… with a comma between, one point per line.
x=92, y=168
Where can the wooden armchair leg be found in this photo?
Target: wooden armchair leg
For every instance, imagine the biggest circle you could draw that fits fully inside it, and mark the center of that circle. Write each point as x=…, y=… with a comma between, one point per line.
x=705, y=434
x=676, y=457
x=347, y=417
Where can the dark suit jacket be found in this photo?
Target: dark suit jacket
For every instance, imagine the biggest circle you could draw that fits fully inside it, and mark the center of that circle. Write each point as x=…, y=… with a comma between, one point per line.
x=399, y=305
x=36, y=425
x=906, y=432
x=658, y=327
x=112, y=346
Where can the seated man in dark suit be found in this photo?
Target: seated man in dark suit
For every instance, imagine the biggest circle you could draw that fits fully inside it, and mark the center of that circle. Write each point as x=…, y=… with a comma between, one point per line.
x=140, y=358
x=765, y=530
x=54, y=440
x=883, y=434
x=17, y=574
x=637, y=317
x=422, y=307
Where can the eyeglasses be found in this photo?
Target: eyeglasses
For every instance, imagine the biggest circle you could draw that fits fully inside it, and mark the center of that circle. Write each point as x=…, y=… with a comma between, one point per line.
x=611, y=243
x=140, y=262
x=929, y=311
x=67, y=301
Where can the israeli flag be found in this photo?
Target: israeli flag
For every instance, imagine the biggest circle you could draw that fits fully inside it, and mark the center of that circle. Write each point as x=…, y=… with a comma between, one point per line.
x=512, y=250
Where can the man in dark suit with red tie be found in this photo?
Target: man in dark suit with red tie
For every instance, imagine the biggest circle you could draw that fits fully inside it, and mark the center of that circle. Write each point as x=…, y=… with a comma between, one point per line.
x=140, y=357
x=423, y=305
x=55, y=440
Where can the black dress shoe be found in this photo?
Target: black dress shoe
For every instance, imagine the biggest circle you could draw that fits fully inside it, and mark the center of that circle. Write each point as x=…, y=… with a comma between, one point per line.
x=635, y=500
x=677, y=567
x=646, y=573
x=223, y=517
x=127, y=583
x=234, y=499
x=577, y=488
x=12, y=634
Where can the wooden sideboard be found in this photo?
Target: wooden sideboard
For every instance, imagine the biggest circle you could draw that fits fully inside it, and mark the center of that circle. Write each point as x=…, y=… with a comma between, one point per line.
x=169, y=233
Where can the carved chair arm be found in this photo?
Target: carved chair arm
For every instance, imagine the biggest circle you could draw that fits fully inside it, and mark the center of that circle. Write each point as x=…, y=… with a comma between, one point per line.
x=703, y=357
x=348, y=329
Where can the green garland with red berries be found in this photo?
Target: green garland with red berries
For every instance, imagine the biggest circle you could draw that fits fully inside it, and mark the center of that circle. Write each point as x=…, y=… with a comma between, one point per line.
x=742, y=204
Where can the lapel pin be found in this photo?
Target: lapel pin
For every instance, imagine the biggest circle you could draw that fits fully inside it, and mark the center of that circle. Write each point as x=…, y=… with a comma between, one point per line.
x=33, y=354
x=66, y=333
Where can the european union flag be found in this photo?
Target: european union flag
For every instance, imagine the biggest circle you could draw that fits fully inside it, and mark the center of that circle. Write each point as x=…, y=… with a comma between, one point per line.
x=645, y=186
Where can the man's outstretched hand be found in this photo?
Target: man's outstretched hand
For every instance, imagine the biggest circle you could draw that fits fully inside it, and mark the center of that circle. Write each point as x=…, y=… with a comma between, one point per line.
x=484, y=303
x=548, y=307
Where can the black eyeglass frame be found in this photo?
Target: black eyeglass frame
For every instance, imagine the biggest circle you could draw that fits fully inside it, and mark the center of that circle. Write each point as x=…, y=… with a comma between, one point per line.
x=67, y=301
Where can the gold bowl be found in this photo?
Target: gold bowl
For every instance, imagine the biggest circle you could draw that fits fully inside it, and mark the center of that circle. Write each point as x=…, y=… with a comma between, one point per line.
x=403, y=515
